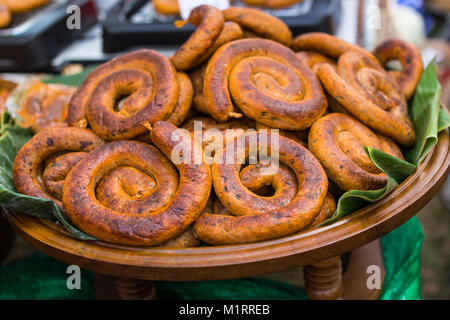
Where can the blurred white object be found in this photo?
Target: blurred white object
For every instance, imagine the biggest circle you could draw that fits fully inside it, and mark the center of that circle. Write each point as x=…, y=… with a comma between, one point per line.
x=348, y=26
x=402, y=22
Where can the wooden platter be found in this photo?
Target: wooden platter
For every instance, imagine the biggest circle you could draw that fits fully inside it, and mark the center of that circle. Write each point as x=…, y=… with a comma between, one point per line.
x=236, y=261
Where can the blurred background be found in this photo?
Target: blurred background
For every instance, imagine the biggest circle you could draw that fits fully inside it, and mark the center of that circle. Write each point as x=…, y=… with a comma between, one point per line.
x=40, y=41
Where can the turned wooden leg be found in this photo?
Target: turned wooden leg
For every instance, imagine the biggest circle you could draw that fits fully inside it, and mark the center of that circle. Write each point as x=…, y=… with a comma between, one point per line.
x=323, y=280
x=134, y=289
x=113, y=288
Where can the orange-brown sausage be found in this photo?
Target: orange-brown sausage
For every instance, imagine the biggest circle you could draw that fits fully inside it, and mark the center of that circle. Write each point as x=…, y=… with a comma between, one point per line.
x=44, y=105
x=5, y=16
x=313, y=59
x=271, y=221
x=148, y=81
x=209, y=21
x=337, y=140
x=196, y=75
x=326, y=212
x=49, y=156
x=266, y=81
x=144, y=228
x=167, y=7
x=184, y=103
x=272, y=4
x=230, y=31
x=212, y=135
x=410, y=59
x=366, y=91
x=298, y=136
x=325, y=44
x=20, y=6
x=260, y=23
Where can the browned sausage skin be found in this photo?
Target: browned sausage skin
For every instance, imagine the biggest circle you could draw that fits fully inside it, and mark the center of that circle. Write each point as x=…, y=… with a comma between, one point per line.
x=337, y=140
x=266, y=81
x=325, y=44
x=259, y=23
x=210, y=23
x=148, y=81
x=366, y=91
x=146, y=228
x=184, y=102
x=313, y=59
x=410, y=59
x=42, y=164
x=283, y=220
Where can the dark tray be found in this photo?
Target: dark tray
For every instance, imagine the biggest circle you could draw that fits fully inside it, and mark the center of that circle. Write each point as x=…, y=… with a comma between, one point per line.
x=135, y=23
x=34, y=38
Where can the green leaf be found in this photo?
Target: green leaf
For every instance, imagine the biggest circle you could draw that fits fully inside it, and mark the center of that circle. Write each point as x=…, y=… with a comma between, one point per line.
x=444, y=120
x=12, y=139
x=428, y=119
x=396, y=171
x=425, y=113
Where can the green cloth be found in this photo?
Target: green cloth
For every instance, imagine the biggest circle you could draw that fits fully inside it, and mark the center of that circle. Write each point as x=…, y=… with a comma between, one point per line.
x=42, y=277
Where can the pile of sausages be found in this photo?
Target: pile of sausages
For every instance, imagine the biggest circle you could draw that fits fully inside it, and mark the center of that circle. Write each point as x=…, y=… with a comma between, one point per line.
x=111, y=167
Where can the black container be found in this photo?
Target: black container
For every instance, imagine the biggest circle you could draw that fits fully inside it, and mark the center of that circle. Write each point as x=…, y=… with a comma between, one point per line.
x=34, y=38
x=121, y=33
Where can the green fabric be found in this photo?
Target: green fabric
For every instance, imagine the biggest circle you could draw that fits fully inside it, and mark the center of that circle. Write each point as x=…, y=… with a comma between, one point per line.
x=401, y=254
x=41, y=277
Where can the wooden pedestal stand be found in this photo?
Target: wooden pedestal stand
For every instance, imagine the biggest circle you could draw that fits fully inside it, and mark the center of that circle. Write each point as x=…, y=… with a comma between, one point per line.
x=318, y=249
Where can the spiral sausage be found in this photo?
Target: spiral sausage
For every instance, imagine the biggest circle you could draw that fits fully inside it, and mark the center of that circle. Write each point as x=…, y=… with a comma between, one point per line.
x=266, y=81
x=410, y=59
x=260, y=23
x=337, y=140
x=147, y=220
x=365, y=90
x=44, y=105
x=261, y=185
x=260, y=217
x=145, y=77
x=42, y=164
x=210, y=23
